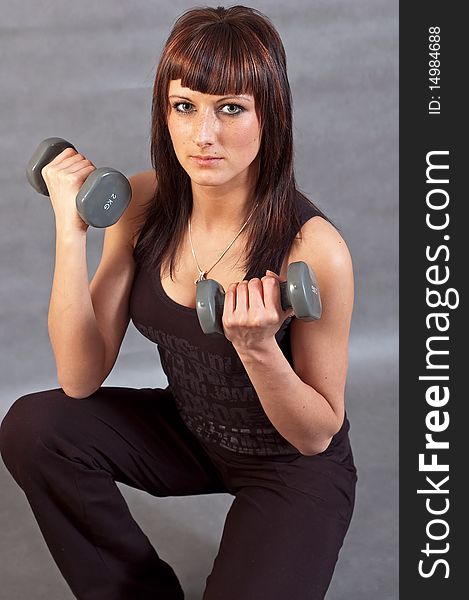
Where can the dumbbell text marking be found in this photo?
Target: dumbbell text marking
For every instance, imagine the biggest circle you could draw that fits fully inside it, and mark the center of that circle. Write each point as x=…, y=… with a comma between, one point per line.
x=107, y=206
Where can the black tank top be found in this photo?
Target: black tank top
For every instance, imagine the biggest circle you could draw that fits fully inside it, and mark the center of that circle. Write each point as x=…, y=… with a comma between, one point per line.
x=210, y=385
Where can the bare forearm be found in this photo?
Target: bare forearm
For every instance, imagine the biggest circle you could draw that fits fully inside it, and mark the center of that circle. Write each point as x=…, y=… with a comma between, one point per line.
x=300, y=414
x=76, y=340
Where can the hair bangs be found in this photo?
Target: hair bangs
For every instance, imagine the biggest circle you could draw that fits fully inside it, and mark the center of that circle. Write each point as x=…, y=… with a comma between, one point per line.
x=215, y=63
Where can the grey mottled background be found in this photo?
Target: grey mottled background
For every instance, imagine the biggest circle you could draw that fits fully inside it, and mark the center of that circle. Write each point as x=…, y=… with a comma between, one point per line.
x=83, y=71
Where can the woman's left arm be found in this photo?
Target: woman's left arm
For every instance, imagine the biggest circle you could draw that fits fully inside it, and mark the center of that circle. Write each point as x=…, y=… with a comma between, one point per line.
x=304, y=403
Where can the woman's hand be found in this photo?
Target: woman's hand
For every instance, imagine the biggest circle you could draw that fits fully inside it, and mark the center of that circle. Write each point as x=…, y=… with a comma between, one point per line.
x=252, y=312
x=64, y=176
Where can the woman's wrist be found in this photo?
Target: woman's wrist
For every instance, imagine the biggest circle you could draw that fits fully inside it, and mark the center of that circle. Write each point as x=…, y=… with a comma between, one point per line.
x=68, y=232
x=256, y=353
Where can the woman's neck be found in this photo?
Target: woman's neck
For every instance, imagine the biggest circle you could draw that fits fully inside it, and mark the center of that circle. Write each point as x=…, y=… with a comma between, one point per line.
x=221, y=212
x=224, y=207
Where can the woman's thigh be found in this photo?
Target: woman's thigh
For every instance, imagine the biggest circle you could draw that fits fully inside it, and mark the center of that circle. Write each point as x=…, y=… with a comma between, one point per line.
x=136, y=435
x=284, y=530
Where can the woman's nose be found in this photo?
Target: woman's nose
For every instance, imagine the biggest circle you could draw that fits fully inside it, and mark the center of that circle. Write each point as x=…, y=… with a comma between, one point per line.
x=205, y=127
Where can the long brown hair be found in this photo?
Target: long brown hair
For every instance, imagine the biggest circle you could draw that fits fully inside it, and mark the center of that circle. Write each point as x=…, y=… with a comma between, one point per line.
x=223, y=51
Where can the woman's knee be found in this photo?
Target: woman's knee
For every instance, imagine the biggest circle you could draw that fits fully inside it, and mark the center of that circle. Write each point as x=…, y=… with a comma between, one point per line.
x=30, y=418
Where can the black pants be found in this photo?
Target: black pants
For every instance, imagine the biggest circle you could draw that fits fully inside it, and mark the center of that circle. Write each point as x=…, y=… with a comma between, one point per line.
x=282, y=534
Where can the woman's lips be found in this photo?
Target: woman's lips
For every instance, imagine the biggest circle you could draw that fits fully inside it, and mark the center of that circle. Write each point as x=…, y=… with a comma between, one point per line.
x=206, y=161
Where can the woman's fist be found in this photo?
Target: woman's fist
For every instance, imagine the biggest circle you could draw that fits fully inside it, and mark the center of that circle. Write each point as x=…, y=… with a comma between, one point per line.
x=252, y=311
x=64, y=176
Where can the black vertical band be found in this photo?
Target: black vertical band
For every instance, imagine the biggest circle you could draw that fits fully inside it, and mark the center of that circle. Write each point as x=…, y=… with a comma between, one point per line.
x=433, y=242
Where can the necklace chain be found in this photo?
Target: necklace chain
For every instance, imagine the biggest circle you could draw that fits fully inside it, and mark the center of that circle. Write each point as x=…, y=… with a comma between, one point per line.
x=202, y=274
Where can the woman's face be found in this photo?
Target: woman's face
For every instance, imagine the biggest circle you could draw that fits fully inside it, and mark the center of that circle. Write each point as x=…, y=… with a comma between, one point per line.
x=222, y=126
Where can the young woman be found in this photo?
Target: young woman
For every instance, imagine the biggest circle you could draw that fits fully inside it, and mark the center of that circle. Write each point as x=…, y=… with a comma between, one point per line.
x=258, y=413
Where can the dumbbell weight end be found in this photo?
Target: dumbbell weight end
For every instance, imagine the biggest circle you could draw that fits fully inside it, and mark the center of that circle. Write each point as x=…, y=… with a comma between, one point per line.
x=103, y=197
x=210, y=298
x=47, y=150
x=301, y=292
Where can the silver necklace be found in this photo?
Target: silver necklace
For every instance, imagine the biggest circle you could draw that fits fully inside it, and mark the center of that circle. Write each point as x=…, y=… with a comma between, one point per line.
x=202, y=274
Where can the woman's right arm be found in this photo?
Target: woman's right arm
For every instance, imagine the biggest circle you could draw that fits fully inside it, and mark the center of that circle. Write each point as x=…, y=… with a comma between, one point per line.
x=87, y=321
x=76, y=340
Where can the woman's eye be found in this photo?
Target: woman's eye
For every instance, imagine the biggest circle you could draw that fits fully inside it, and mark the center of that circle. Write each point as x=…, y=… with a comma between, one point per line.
x=178, y=104
x=235, y=109
x=239, y=109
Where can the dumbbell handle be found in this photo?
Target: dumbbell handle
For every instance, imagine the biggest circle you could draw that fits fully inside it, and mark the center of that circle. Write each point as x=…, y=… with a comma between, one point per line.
x=285, y=296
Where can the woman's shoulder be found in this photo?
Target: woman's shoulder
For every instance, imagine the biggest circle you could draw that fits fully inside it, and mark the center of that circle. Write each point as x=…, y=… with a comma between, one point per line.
x=321, y=245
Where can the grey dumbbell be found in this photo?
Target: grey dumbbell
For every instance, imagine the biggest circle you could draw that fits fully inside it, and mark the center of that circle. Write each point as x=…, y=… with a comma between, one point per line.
x=102, y=198
x=299, y=292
